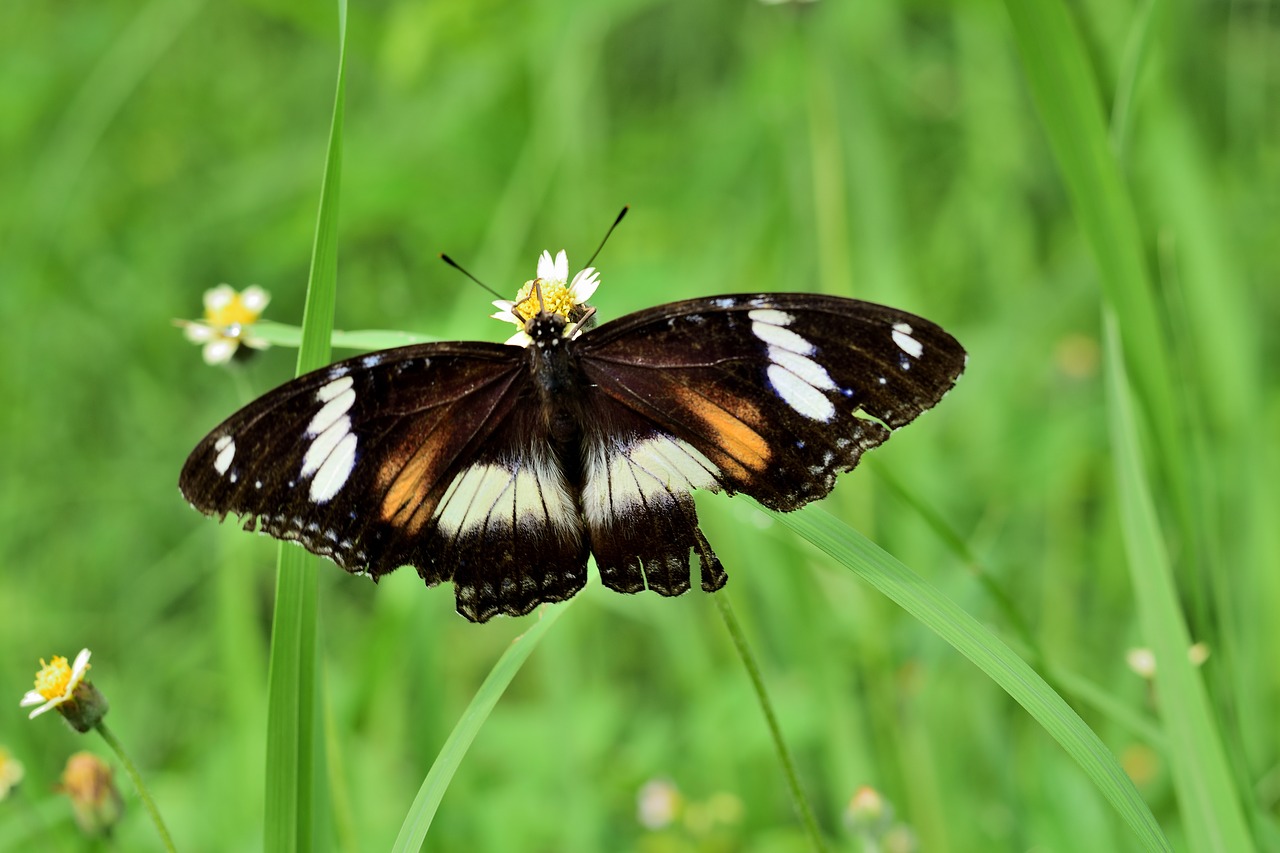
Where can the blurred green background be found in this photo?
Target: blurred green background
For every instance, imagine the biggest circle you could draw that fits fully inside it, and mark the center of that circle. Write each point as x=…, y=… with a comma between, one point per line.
x=892, y=152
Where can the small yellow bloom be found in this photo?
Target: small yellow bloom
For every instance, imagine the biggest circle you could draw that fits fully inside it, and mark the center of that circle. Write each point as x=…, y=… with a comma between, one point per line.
x=11, y=772
x=88, y=782
x=559, y=295
x=56, y=682
x=228, y=322
x=63, y=686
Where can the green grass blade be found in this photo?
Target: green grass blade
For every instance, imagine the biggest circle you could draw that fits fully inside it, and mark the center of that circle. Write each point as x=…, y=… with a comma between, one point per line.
x=293, y=723
x=992, y=656
x=284, y=335
x=1209, y=804
x=1070, y=107
x=418, y=821
x=1136, y=49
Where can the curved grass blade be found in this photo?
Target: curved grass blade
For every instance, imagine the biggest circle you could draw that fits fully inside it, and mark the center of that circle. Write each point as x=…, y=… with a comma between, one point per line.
x=941, y=615
x=1207, y=799
x=294, y=745
x=418, y=821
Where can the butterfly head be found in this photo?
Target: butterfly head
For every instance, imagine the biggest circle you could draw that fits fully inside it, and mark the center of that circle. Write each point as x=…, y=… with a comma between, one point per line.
x=549, y=295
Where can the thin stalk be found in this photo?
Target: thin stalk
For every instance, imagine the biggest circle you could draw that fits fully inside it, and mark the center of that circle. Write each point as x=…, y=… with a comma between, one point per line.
x=784, y=754
x=136, y=777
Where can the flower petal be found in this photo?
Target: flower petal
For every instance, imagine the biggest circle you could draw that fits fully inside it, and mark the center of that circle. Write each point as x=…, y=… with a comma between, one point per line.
x=219, y=350
x=255, y=299
x=32, y=697
x=198, y=333
x=546, y=267
x=81, y=666
x=219, y=297
x=519, y=339
x=562, y=267
x=584, y=285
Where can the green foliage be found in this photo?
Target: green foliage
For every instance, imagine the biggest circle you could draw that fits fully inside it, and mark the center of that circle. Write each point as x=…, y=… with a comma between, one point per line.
x=954, y=161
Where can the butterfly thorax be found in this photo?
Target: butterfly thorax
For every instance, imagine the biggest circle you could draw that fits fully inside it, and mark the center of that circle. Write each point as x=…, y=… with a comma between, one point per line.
x=556, y=380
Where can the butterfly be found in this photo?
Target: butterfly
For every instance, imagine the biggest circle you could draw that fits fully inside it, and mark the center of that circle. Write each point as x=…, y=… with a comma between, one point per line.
x=503, y=467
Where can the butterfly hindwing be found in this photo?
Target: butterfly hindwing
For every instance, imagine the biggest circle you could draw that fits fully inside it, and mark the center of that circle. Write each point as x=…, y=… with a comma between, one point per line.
x=423, y=456
x=637, y=503
x=780, y=392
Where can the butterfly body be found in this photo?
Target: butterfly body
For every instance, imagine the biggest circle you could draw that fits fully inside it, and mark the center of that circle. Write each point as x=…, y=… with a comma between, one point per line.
x=502, y=468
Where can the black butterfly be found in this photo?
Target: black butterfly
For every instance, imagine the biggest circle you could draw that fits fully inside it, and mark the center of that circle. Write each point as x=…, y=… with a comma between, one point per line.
x=502, y=467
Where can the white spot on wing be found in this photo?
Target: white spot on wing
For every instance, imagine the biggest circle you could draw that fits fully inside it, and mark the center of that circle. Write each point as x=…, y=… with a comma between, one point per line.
x=800, y=395
x=333, y=389
x=226, y=447
x=332, y=410
x=772, y=316
x=323, y=446
x=902, y=337
x=805, y=368
x=333, y=474
x=371, y=360
x=780, y=337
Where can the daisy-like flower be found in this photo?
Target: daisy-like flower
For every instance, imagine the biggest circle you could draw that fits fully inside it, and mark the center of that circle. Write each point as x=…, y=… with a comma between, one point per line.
x=228, y=322
x=559, y=295
x=11, y=772
x=63, y=686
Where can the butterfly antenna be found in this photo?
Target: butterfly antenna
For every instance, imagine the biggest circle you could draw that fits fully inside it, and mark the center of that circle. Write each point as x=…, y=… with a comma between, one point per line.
x=451, y=262
x=537, y=290
x=577, y=327
x=621, y=214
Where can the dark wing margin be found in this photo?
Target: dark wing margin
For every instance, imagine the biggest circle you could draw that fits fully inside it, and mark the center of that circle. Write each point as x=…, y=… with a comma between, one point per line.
x=772, y=395
x=424, y=455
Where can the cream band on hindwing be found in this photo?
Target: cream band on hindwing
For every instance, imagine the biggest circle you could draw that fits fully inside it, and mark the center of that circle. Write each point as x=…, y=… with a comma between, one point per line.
x=529, y=493
x=645, y=472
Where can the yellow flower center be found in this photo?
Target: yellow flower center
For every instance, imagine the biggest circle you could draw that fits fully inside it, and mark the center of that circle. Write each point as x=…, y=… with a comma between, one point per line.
x=53, y=678
x=233, y=313
x=556, y=299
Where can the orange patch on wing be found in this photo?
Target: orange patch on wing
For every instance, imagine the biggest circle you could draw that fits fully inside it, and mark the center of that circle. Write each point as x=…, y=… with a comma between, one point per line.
x=408, y=487
x=744, y=448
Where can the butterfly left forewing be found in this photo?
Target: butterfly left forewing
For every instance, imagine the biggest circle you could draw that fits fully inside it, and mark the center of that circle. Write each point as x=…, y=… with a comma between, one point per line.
x=770, y=395
x=779, y=391
x=424, y=456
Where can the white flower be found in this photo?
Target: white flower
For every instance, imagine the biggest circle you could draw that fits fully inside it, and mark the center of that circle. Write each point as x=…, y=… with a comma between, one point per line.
x=229, y=318
x=557, y=296
x=55, y=683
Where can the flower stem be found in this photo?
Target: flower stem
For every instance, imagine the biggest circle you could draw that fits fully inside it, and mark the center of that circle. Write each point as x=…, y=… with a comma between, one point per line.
x=118, y=748
x=788, y=766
